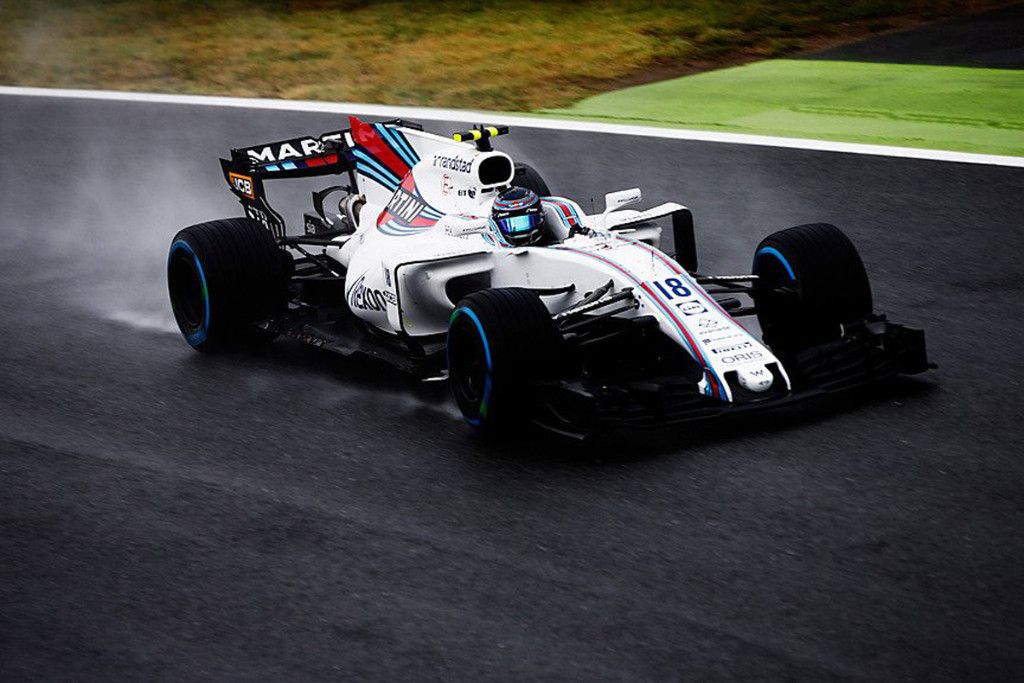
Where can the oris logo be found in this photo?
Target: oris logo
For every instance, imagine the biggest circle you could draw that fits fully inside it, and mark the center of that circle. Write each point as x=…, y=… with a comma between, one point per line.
x=742, y=357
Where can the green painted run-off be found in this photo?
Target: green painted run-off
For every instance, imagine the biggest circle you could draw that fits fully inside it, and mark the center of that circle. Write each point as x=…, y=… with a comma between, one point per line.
x=939, y=107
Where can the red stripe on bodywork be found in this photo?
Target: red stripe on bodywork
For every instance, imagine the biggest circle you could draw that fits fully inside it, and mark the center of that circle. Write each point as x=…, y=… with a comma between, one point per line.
x=321, y=161
x=367, y=137
x=566, y=212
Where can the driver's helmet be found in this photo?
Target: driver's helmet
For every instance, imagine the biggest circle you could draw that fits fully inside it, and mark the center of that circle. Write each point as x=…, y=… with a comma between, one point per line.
x=519, y=216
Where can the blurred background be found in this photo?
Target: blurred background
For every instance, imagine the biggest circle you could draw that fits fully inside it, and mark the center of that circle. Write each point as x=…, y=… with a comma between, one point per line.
x=486, y=55
x=569, y=59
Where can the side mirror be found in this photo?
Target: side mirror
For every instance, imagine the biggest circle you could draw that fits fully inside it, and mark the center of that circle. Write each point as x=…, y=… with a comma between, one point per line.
x=617, y=200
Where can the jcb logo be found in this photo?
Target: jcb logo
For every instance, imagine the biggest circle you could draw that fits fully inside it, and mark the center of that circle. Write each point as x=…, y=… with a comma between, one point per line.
x=242, y=184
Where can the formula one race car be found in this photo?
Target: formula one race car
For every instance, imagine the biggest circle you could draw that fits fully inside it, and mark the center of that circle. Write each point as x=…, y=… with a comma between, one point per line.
x=444, y=258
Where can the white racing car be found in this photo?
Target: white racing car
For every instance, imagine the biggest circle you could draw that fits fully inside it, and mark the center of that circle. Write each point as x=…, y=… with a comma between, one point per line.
x=445, y=258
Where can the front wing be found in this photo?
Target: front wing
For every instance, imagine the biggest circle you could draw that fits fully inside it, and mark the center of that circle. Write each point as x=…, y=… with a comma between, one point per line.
x=874, y=351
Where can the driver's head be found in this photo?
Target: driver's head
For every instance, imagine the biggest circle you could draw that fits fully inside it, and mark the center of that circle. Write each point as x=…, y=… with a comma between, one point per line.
x=519, y=216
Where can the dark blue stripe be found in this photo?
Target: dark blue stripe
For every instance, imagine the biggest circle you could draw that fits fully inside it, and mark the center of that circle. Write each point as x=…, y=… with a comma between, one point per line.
x=405, y=143
x=381, y=170
x=388, y=137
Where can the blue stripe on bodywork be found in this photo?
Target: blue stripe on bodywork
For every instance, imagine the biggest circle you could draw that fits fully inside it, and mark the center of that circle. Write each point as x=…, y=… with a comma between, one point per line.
x=373, y=175
x=382, y=172
x=404, y=142
x=390, y=228
x=390, y=138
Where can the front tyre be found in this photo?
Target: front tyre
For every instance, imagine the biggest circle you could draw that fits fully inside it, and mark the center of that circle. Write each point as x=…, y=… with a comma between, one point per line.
x=811, y=282
x=500, y=341
x=223, y=276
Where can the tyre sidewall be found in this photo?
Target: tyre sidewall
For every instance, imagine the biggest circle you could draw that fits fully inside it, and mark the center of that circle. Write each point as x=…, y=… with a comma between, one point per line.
x=243, y=280
x=195, y=327
x=520, y=339
x=829, y=286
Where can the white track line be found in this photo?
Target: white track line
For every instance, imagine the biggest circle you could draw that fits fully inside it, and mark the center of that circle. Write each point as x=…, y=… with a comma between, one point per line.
x=435, y=114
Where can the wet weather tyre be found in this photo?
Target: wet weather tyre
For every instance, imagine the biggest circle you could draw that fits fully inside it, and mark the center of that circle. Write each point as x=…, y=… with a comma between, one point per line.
x=811, y=282
x=500, y=341
x=224, y=276
x=528, y=177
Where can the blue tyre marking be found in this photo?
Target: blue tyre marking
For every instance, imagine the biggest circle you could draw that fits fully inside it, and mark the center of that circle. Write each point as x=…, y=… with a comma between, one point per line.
x=199, y=336
x=487, y=356
x=772, y=251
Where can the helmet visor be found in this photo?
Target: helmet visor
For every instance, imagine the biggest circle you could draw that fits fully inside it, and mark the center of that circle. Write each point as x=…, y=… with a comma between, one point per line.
x=517, y=225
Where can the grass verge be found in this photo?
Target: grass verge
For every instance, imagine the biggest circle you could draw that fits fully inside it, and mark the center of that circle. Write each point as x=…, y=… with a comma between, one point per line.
x=473, y=54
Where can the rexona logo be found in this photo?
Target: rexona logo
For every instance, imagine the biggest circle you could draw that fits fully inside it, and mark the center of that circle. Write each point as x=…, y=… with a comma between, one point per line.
x=456, y=164
x=364, y=298
x=292, y=149
x=242, y=184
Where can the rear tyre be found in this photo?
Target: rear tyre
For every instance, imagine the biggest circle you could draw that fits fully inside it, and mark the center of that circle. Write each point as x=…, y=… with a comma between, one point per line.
x=811, y=282
x=500, y=341
x=527, y=176
x=223, y=276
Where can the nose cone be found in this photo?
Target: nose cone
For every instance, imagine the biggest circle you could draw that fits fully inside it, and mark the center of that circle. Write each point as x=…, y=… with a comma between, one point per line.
x=756, y=379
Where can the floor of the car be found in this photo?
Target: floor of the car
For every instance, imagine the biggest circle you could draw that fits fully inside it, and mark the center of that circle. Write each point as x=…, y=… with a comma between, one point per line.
x=334, y=329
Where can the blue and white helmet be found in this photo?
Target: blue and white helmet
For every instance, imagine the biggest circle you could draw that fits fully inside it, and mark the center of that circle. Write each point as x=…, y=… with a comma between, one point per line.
x=518, y=214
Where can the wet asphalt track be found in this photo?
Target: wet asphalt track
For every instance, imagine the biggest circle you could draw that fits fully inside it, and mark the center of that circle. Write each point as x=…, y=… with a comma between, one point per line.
x=165, y=515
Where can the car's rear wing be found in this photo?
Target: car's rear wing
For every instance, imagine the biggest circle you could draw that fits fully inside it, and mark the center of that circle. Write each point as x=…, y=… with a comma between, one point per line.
x=328, y=154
